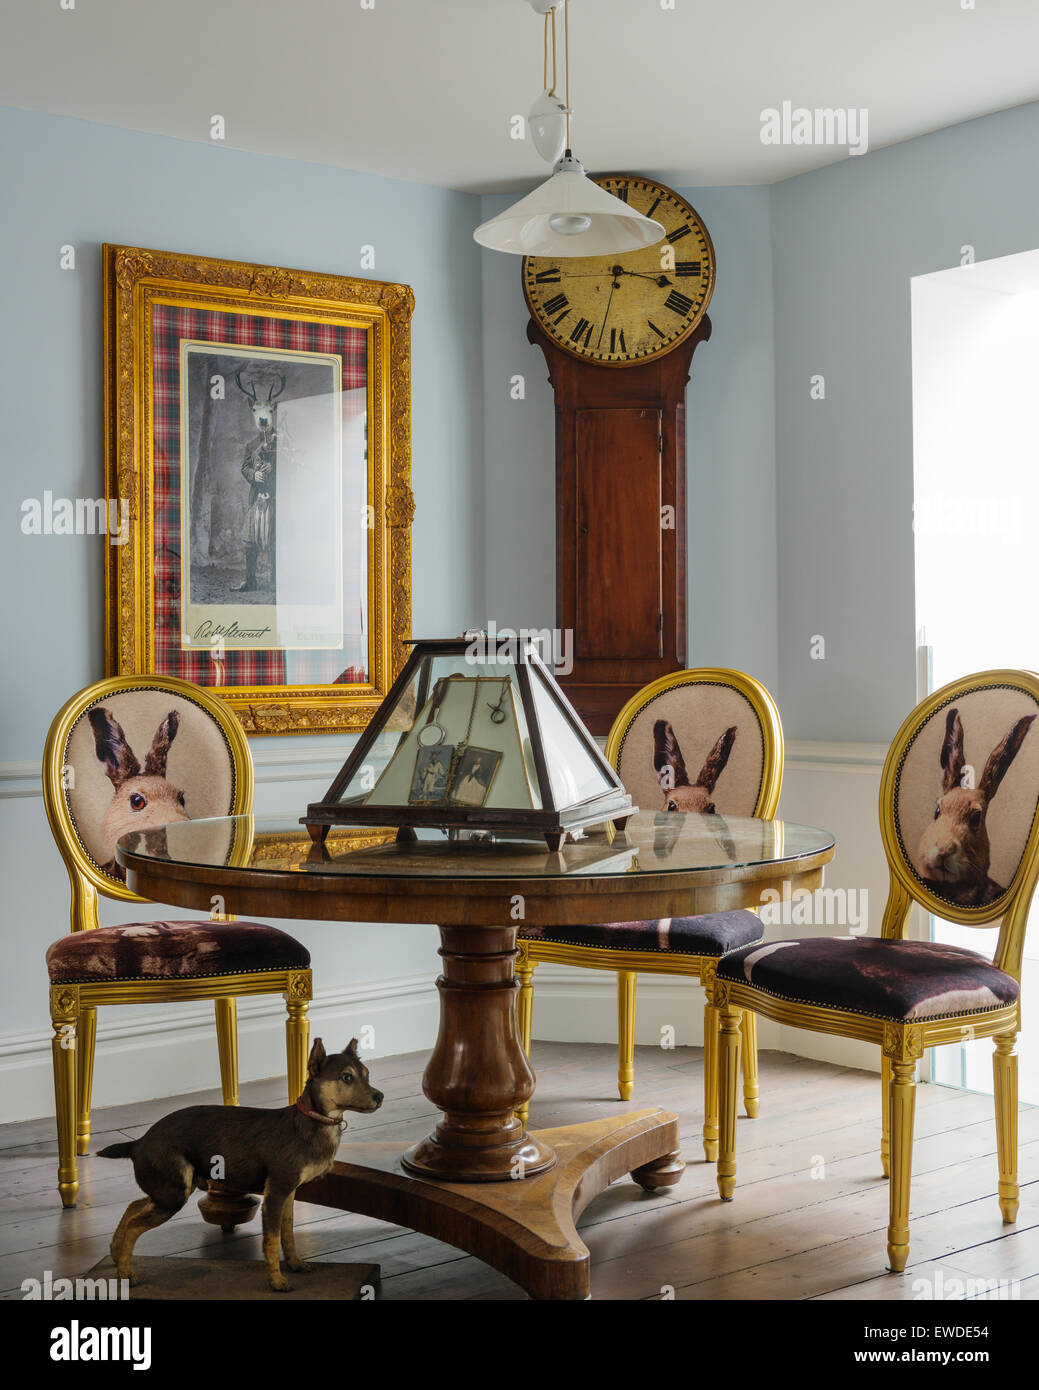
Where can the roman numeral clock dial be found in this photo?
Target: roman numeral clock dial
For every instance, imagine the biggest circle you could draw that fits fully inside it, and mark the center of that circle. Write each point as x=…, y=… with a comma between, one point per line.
x=621, y=310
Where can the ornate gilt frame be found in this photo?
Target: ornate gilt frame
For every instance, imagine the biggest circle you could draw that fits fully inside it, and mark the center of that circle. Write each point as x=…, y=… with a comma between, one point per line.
x=134, y=278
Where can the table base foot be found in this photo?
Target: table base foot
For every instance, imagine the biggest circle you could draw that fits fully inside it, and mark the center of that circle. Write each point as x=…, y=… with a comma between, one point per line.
x=526, y=1228
x=503, y=1163
x=227, y=1209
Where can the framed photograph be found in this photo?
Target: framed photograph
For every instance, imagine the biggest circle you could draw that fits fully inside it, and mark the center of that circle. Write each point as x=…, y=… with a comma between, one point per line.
x=258, y=427
x=432, y=766
x=473, y=776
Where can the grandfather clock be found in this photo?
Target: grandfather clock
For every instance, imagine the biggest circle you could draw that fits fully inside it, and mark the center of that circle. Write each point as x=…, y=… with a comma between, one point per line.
x=618, y=334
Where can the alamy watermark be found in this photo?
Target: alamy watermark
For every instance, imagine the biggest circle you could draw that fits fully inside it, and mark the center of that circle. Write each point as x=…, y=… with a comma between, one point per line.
x=831, y=907
x=51, y=1290
x=555, y=646
x=942, y=1287
x=83, y=516
x=998, y=518
x=798, y=125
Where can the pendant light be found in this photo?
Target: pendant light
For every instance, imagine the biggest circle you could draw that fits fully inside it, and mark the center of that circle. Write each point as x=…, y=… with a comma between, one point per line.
x=569, y=215
x=546, y=123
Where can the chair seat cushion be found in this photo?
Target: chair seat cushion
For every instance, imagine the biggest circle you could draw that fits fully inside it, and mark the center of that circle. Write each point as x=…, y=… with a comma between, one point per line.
x=172, y=951
x=900, y=980
x=712, y=934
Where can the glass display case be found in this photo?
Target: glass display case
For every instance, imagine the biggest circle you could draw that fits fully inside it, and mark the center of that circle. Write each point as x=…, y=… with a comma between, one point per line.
x=475, y=735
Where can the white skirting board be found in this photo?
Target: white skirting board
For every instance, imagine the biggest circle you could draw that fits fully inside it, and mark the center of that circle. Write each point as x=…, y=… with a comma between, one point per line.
x=173, y=1050
x=167, y=1051
x=142, y=1053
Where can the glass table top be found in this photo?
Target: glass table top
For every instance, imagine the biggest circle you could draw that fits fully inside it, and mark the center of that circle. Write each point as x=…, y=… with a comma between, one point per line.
x=651, y=843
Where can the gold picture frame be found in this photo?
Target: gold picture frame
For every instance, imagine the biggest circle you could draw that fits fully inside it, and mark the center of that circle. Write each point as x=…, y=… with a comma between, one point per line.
x=148, y=293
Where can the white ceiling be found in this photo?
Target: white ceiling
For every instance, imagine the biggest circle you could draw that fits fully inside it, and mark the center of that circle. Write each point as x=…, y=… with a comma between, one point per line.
x=424, y=89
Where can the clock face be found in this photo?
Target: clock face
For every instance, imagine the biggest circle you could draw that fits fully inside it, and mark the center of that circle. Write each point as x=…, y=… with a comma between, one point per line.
x=622, y=309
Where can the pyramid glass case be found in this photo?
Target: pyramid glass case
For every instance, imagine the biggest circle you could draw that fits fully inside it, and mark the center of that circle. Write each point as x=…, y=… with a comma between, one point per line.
x=475, y=735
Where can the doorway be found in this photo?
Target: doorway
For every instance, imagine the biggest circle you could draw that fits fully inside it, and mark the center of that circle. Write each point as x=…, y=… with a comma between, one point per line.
x=975, y=333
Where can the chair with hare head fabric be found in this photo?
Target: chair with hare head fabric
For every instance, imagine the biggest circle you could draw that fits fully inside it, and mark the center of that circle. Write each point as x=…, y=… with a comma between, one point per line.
x=726, y=725
x=959, y=821
x=134, y=753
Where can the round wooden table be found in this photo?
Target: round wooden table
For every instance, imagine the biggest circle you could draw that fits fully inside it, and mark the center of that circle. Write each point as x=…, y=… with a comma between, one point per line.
x=480, y=1182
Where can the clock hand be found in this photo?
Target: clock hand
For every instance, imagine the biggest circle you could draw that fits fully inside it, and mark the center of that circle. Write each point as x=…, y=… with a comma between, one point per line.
x=606, y=315
x=660, y=280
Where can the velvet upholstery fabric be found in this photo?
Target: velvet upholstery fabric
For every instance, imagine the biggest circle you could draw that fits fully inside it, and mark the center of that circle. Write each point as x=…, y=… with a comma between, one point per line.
x=711, y=934
x=172, y=951
x=906, y=981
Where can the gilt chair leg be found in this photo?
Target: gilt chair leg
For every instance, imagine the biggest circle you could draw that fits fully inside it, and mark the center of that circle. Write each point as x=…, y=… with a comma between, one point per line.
x=729, y=1043
x=710, y=1082
x=525, y=1014
x=751, y=1089
x=525, y=1001
x=1004, y=1071
x=885, y=1112
x=227, y=1046
x=297, y=1046
x=86, y=1034
x=64, y=1019
x=901, y=1105
x=626, y=982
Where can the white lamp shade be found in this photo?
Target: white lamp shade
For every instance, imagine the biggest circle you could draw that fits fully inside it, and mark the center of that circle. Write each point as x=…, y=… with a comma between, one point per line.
x=602, y=223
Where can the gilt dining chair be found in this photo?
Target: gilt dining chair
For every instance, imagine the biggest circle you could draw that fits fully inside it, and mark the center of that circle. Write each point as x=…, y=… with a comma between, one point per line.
x=699, y=741
x=133, y=753
x=959, y=822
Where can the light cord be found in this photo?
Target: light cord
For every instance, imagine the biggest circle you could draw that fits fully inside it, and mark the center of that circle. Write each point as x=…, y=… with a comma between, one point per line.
x=566, y=59
x=550, y=15
x=554, y=77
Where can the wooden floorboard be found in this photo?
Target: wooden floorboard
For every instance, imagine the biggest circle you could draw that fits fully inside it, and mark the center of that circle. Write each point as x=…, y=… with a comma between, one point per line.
x=808, y=1220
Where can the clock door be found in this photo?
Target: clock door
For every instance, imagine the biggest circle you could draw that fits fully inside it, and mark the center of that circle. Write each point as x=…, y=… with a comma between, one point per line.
x=619, y=573
x=620, y=522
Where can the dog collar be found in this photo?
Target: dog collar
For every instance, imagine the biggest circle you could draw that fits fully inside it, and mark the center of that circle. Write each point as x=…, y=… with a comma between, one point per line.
x=313, y=1115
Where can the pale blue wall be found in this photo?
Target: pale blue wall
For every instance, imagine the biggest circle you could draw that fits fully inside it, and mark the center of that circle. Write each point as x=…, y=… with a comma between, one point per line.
x=846, y=241
x=71, y=182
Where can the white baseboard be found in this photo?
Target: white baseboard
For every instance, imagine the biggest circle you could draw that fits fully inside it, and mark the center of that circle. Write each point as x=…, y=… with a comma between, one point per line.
x=144, y=1054
x=572, y=1005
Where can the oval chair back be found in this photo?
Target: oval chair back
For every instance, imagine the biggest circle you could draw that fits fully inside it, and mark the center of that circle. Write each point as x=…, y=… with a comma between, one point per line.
x=699, y=740
x=959, y=808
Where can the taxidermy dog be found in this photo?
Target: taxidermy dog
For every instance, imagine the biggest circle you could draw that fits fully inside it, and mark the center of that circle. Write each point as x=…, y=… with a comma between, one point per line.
x=247, y=1150
x=669, y=765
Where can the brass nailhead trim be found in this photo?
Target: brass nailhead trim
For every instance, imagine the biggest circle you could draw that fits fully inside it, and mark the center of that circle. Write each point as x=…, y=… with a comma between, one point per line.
x=862, y=1013
x=660, y=950
x=167, y=979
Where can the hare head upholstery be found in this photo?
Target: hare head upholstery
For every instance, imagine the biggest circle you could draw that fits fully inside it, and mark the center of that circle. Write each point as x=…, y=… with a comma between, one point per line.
x=135, y=754
x=954, y=851
x=960, y=796
x=141, y=800
x=700, y=741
